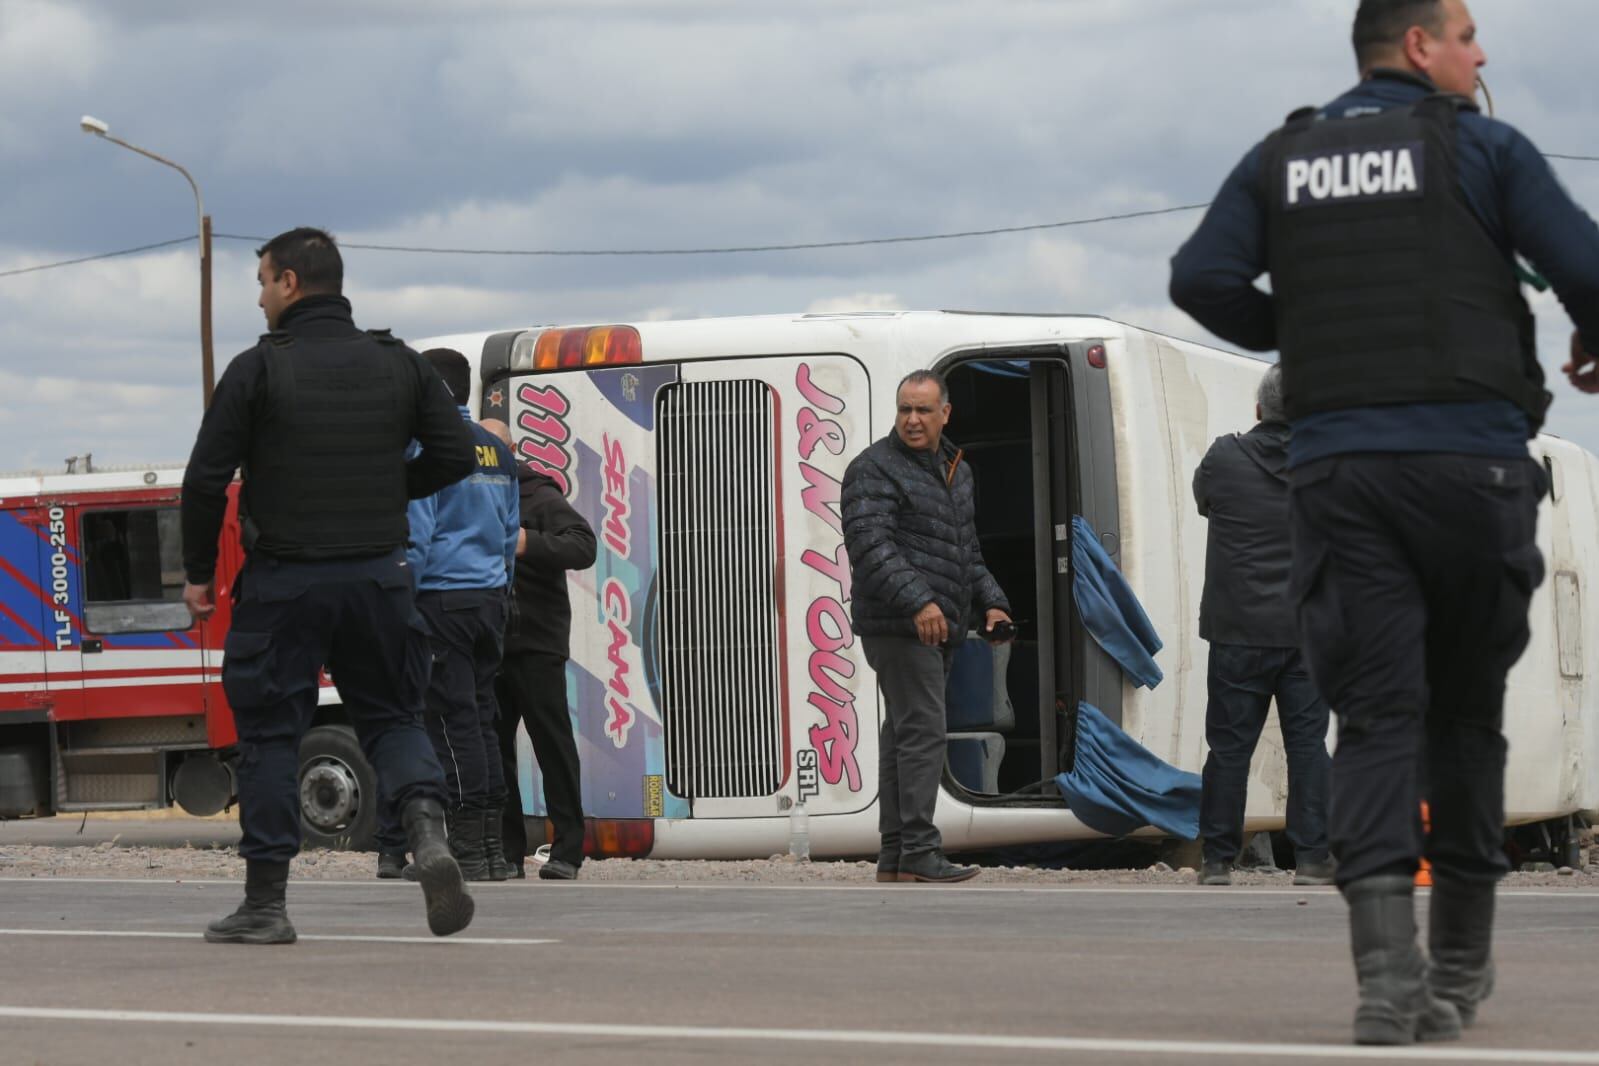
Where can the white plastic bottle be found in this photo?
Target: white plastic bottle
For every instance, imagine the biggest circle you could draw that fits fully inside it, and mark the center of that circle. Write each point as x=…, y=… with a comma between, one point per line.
x=799, y=833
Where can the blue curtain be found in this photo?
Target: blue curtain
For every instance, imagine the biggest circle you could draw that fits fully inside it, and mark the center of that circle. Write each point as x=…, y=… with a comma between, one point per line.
x=1117, y=785
x=1109, y=610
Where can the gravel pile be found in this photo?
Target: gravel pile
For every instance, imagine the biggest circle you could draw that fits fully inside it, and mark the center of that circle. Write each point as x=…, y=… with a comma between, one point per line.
x=112, y=860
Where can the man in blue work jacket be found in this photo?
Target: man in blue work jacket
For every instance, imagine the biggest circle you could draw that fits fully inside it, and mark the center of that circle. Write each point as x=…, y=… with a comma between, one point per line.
x=1389, y=221
x=463, y=554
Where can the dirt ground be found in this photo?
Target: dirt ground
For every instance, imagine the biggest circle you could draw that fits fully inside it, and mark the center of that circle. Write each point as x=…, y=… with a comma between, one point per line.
x=113, y=860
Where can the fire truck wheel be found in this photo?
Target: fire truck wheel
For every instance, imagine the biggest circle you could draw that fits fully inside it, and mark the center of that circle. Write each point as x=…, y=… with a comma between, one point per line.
x=338, y=791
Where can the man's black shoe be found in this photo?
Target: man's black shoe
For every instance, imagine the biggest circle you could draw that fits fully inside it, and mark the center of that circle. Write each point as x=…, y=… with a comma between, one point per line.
x=933, y=868
x=518, y=871
x=391, y=865
x=253, y=923
x=1216, y=873
x=1314, y=872
x=557, y=870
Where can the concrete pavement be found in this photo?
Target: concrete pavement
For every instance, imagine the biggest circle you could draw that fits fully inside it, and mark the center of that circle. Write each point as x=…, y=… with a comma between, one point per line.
x=613, y=973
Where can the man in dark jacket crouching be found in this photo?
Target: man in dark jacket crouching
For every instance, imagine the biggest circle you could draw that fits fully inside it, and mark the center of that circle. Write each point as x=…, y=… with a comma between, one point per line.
x=910, y=533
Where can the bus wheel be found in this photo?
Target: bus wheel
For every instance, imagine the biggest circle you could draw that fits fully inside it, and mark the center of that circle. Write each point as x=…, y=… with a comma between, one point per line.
x=338, y=791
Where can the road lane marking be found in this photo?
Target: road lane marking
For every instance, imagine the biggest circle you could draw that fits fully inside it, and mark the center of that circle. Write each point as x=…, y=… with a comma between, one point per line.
x=143, y=934
x=869, y=1037
x=1584, y=892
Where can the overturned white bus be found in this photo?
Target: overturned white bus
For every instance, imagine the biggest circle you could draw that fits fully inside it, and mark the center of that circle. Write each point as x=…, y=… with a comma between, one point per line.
x=715, y=680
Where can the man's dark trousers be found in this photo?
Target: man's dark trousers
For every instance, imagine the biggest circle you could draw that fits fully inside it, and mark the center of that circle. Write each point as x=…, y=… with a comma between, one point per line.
x=1413, y=575
x=355, y=616
x=532, y=691
x=1243, y=680
x=468, y=636
x=912, y=746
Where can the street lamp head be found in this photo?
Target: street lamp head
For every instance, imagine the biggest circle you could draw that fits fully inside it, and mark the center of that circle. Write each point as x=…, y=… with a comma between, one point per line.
x=90, y=124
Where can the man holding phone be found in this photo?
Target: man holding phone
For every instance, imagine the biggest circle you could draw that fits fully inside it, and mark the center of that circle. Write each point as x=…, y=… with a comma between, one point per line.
x=911, y=535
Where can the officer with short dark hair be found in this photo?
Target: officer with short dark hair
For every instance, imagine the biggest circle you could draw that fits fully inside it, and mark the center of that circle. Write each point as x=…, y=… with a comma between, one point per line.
x=1389, y=221
x=462, y=555
x=319, y=416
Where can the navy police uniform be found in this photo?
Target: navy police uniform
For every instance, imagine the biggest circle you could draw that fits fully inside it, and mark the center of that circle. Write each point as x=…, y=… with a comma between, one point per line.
x=318, y=416
x=1389, y=221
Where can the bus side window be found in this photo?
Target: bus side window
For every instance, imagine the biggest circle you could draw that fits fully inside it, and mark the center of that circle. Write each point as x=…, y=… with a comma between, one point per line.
x=133, y=571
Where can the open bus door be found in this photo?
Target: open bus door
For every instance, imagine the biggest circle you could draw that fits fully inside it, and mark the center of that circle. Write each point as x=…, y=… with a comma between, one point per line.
x=1035, y=425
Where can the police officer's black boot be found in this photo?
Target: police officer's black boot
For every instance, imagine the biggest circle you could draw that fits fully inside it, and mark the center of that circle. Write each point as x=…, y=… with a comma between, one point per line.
x=500, y=869
x=1395, y=1004
x=263, y=917
x=449, y=907
x=466, y=843
x=1460, y=940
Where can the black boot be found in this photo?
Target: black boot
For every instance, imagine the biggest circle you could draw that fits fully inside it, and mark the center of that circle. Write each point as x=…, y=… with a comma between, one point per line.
x=1395, y=1005
x=500, y=868
x=263, y=917
x=466, y=843
x=391, y=864
x=449, y=907
x=1460, y=939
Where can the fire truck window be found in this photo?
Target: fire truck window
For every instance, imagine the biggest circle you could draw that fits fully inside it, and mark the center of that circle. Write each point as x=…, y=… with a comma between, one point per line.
x=133, y=571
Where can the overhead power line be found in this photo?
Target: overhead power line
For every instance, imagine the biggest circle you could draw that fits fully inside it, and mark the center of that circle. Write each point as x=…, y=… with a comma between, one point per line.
x=92, y=258
x=724, y=250
x=731, y=249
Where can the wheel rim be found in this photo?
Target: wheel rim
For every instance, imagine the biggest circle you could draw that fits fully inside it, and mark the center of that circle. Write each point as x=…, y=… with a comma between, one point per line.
x=330, y=794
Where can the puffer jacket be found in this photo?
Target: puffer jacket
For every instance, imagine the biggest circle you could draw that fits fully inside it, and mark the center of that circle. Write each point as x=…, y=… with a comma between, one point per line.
x=911, y=536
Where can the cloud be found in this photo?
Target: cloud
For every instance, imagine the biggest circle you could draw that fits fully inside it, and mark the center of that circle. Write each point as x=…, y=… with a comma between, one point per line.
x=594, y=124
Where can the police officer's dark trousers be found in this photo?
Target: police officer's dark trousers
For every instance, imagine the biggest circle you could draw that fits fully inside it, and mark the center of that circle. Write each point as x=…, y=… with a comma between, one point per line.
x=355, y=616
x=532, y=691
x=1413, y=575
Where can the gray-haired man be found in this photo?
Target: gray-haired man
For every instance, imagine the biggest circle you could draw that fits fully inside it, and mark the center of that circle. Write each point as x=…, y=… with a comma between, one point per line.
x=919, y=580
x=1241, y=486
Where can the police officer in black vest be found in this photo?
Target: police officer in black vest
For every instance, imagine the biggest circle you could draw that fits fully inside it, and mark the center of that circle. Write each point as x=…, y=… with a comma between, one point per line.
x=318, y=417
x=1389, y=222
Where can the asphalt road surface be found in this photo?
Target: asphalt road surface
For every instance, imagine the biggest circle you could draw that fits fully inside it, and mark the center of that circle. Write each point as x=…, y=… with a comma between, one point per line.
x=96, y=971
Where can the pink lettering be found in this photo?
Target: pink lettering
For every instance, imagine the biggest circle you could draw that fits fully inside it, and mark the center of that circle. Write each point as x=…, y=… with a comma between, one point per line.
x=820, y=496
x=827, y=623
x=815, y=394
x=836, y=568
x=834, y=742
x=618, y=608
x=814, y=430
x=546, y=432
x=823, y=639
x=549, y=399
x=544, y=425
x=616, y=507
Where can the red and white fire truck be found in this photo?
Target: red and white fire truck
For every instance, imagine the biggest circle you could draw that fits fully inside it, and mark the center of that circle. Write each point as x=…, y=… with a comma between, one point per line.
x=110, y=695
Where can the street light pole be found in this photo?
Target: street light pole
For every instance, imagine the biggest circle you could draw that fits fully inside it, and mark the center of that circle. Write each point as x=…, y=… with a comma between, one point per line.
x=90, y=124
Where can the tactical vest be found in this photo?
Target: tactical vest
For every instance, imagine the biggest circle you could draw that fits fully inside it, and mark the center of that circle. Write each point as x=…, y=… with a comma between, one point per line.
x=325, y=477
x=1387, y=286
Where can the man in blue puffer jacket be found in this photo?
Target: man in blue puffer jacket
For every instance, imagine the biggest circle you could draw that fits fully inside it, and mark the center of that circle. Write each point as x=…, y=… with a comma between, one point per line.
x=918, y=575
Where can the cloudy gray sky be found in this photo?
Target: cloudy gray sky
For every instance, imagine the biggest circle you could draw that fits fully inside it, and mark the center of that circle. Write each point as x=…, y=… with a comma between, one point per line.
x=640, y=124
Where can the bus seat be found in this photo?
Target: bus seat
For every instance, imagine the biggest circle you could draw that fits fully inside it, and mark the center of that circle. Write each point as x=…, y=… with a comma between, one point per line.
x=974, y=760
x=976, y=695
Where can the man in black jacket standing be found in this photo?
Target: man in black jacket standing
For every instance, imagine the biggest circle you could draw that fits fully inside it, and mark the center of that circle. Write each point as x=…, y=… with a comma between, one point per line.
x=911, y=535
x=319, y=416
x=1241, y=487
x=532, y=682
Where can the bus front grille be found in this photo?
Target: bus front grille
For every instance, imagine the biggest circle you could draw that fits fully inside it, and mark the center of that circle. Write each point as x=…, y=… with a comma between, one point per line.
x=721, y=696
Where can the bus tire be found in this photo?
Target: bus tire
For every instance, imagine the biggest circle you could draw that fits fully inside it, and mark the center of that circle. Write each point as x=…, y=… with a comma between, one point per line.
x=337, y=791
